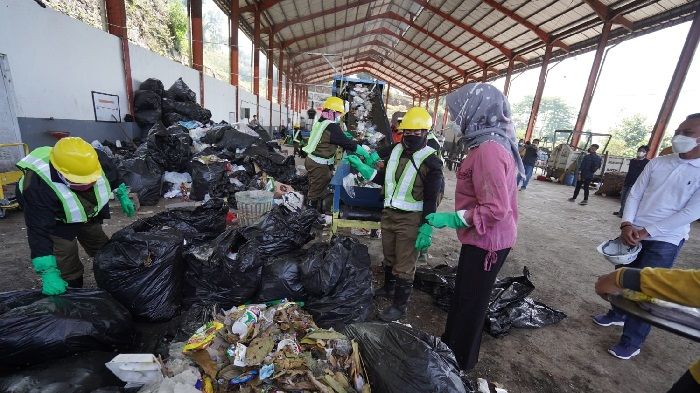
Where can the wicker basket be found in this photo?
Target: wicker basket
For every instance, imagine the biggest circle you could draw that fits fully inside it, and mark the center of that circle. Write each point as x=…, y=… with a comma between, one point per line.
x=252, y=205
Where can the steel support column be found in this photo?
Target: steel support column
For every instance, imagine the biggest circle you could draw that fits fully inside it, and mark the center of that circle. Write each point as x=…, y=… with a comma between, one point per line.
x=592, y=82
x=436, y=105
x=420, y=99
x=444, y=116
x=413, y=100
x=116, y=23
x=484, y=75
x=197, y=44
x=509, y=74
x=270, y=74
x=427, y=100
x=674, y=88
x=538, y=93
x=234, y=23
x=256, y=62
x=279, y=83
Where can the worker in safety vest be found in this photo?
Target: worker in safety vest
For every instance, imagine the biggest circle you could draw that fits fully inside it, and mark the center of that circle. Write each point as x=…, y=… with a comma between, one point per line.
x=412, y=178
x=65, y=193
x=326, y=136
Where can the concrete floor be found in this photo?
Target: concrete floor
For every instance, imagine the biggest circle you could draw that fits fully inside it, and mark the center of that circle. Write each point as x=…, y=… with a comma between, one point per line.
x=556, y=241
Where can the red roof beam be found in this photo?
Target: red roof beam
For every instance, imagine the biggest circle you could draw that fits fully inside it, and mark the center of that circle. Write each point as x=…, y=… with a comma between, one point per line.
x=370, y=61
x=281, y=26
x=363, y=64
x=544, y=36
x=364, y=67
x=606, y=13
x=261, y=6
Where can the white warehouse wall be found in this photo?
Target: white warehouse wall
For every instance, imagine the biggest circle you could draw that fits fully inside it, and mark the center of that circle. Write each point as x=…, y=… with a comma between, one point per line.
x=146, y=64
x=220, y=99
x=264, y=112
x=247, y=100
x=56, y=62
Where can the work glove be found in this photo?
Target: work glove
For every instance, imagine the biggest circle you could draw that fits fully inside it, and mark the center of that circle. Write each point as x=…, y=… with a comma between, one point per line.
x=360, y=151
x=122, y=194
x=424, y=240
x=373, y=159
x=51, y=281
x=441, y=220
x=365, y=170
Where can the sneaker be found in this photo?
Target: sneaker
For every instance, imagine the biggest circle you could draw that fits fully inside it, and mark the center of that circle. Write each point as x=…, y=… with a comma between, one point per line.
x=616, y=213
x=623, y=351
x=583, y=203
x=572, y=199
x=606, y=320
x=522, y=188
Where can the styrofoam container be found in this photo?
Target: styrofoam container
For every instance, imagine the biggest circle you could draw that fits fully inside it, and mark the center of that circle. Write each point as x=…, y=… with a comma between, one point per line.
x=136, y=368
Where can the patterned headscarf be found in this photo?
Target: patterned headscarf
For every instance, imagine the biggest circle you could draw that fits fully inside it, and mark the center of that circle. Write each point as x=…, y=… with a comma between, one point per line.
x=482, y=113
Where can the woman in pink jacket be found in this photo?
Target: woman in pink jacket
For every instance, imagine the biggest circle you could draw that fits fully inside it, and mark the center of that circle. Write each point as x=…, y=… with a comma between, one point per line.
x=486, y=211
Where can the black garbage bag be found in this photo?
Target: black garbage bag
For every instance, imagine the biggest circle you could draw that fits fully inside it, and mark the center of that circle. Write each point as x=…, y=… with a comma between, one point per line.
x=143, y=270
x=146, y=100
x=206, y=174
x=167, y=104
x=146, y=118
x=225, y=136
x=402, y=359
x=35, y=327
x=154, y=85
x=298, y=183
x=179, y=91
x=172, y=118
x=80, y=373
x=197, y=224
x=281, y=279
x=196, y=315
x=264, y=135
x=170, y=149
x=216, y=151
x=226, y=272
x=282, y=231
x=510, y=306
x=144, y=176
x=439, y=282
x=192, y=111
x=338, y=280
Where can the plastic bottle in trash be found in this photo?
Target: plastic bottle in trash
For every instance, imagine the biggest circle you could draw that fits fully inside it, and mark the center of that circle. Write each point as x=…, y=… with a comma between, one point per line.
x=245, y=322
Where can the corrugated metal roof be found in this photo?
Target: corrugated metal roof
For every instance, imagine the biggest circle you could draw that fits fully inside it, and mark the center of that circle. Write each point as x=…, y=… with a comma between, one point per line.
x=421, y=44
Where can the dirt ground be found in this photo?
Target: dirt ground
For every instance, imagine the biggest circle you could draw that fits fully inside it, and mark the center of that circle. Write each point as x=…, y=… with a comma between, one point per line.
x=556, y=241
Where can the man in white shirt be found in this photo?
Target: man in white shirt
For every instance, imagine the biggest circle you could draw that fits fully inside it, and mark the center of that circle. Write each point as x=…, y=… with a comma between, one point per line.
x=660, y=207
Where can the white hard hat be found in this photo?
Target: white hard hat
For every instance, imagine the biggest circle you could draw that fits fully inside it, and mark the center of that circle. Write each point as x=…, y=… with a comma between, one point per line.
x=618, y=253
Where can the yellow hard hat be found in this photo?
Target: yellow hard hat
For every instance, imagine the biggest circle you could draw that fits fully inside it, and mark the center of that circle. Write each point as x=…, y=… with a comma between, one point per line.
x=416, y=118
x=335, y=104
x=76, y=160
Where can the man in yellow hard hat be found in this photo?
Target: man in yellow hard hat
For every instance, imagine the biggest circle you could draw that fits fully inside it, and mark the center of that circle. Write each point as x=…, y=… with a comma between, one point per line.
x=412, y=180
x=326, y=136
x=65, y=195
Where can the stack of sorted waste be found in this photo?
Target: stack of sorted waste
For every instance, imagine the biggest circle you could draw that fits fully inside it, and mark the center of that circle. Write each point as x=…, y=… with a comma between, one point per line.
x=153, y=104
x=612, y=184
x=274, y=347
x=509, y=306
x=362, y=114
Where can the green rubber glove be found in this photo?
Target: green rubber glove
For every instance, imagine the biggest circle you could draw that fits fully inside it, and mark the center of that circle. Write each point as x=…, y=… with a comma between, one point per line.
x=51, y=281
x=424, y=240
x=360, y=151
x=441, y=220
x=122, y=194
x=365, y=170
x=373, y=159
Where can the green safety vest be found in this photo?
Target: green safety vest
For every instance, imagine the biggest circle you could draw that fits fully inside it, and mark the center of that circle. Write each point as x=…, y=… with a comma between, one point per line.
x=316, y=133
x=399, y=195
x=38, y=162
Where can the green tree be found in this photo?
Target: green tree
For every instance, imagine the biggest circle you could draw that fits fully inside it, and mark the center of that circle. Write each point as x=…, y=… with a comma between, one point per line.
x=178, y=24
x=630, y=133
x=554, y=114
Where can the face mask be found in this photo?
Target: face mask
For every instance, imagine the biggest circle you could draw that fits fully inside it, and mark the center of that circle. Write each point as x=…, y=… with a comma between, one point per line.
x=413, y=142
x=683, y=144
x=641, y=155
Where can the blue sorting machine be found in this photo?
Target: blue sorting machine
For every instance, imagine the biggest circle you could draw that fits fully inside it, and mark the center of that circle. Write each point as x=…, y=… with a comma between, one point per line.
x=364, y=210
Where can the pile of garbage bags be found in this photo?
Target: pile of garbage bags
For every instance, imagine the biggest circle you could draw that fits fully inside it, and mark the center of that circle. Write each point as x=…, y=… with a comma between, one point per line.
x=509, y=304
x=36, y=328
x=153, y=104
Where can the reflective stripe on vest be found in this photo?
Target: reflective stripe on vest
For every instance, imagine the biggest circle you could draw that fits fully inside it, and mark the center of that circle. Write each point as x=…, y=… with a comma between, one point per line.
x=321, y=160
x=38, y=162
x=316, y=133
x=401, y=196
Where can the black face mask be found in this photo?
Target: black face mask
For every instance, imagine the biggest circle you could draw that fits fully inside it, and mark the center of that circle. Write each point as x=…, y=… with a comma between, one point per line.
x=414, y=142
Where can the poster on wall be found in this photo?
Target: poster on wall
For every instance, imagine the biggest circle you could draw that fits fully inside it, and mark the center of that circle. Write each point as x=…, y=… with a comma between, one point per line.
x=106, y=107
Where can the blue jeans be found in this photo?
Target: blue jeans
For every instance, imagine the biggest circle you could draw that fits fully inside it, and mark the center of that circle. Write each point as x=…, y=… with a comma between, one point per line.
x=653, y=254
x=528, y=174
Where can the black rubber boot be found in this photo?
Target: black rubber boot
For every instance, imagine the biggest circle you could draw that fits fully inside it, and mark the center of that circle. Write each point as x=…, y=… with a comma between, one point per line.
x=397, y=310
x=312, y=203
x=387, y=290
x=75, y=283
